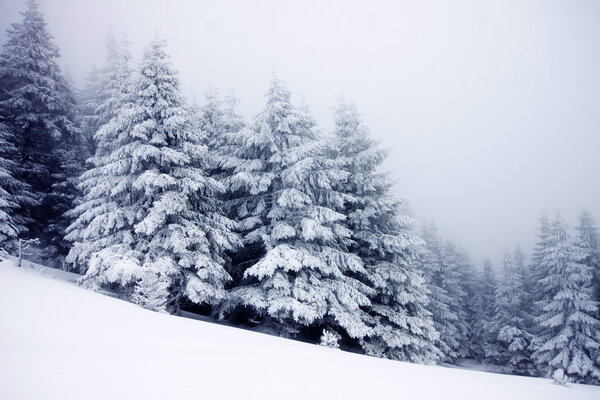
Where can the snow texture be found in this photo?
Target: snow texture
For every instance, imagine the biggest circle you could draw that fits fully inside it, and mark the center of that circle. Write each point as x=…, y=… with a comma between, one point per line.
x=60, y=341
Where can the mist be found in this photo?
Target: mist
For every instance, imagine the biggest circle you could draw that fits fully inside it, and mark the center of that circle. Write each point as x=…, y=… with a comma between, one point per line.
x=491, y=111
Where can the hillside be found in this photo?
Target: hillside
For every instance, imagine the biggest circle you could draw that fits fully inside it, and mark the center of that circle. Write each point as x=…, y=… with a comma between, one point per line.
x=59, y=341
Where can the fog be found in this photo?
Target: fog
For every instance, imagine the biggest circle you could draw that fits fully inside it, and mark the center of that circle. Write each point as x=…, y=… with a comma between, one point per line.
x=491, y=110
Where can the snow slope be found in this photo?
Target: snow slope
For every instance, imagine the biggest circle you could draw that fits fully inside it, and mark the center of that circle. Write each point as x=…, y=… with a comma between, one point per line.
x=59, y=341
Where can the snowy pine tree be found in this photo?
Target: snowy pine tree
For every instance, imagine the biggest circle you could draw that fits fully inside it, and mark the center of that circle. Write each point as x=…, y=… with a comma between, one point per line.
x=538, y=291
x=483, y=301
x=213, y=120
x=220, y=123
x=105, y=97
x=468, y=286
x=510, y=323
x=38, y=108
x=568, y=332
x=456, y=264
x=295, y=269
x=441, y=266
x=149, y=219
x=9, y=190
x=330, y=339
x=105, y=89
x=88, y=100
x=588, y=242
x=402, y=326
x=538, y=272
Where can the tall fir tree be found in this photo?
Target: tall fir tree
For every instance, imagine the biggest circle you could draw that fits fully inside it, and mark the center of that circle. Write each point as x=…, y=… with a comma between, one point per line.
x=87, y=100
x=219, y=120
x=510, y=323
x=402, y=326
x=483, y=301
x=295, y=270
x=106, y=89
x=38, y=108
x=468, y=286
x=588, y=241
x=538, y=272
x=440, y=265
x=455, y=265
x=149, y=220
x=539, y=291
x=9, y=190
x=218, y=117
x=568, y=337
x=107, y=94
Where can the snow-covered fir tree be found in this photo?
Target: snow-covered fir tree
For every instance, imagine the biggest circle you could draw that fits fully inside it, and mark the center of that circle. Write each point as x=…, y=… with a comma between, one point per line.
x=105, y=89
x=148, y=219
x=509, y=326
x=219, y=121
x=568, y=337
x=295, y=269
x=9, y=189
x=455, y=264
x=588, y=242
x=87, y=102
x=402, y=326
x=538, y=291
x=330, y=339
x=440, y=263
x=538, y=272
x=468, y=286
x=218, y=118
x=483, y=301
x=38, y=108
x=104, y=98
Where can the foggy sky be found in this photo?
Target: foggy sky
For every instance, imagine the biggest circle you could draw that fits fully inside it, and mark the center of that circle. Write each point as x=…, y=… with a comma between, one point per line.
x=491, y=110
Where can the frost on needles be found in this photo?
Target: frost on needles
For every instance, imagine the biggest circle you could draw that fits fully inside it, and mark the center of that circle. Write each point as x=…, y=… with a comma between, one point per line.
x=271, y=222
x=297, y=270
x=149, y=218
x=46, y=148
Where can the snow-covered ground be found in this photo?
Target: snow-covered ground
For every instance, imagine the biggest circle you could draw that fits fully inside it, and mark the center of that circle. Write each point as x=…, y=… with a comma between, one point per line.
x=59, y=341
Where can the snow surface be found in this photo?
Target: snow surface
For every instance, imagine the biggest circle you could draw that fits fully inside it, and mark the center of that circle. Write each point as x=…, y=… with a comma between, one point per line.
x=60, y=341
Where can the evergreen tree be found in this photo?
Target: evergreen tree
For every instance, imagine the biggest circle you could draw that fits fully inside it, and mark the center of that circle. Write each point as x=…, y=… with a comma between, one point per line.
x=219, y=120
x=468, y=286
x=538, y=272
x=567, y=341
x=210, y=119
x=588, y=242
x=297, y=271
x=9, y=186
x=106, y=89
x=88, y=101
x=402, y=326
x=455, y=263
x=441, y=270
x=483, y=301
x=510, y=323
x=38, y=108
x=148, y=220
x=539, y=292
x=107, y=95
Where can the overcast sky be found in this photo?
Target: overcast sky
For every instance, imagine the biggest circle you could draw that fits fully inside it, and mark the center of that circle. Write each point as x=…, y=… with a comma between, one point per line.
x=491, y=110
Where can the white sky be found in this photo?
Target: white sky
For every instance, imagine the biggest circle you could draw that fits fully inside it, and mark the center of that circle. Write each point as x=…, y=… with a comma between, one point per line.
x=491, y=109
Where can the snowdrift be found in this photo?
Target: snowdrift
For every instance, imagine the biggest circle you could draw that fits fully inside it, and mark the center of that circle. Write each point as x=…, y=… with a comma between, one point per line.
x=59, y=341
